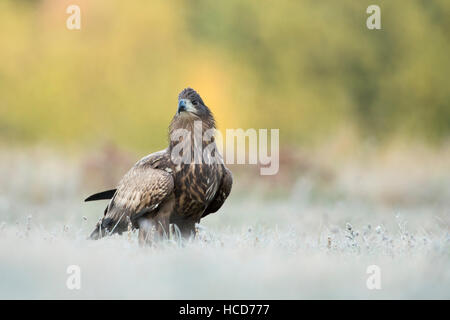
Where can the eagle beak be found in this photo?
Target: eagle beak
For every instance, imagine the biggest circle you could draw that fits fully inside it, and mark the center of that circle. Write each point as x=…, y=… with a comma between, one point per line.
x=181, y=106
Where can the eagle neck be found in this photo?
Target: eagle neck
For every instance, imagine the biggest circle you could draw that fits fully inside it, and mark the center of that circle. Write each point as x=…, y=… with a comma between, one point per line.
x=195, y=128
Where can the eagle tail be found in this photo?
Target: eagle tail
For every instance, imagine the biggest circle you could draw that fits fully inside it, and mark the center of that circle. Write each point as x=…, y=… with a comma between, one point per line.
x=105, y=195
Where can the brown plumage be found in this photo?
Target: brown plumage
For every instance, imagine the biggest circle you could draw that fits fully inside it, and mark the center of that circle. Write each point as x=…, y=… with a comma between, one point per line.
x=159, y=190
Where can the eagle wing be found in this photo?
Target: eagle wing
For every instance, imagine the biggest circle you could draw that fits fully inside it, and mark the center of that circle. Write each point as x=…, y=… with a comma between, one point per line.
x=151, y=160
x=221, y=194
x=141, y=191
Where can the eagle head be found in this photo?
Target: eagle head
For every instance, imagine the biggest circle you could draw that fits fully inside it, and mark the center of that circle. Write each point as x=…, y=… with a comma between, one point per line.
x=191, y=105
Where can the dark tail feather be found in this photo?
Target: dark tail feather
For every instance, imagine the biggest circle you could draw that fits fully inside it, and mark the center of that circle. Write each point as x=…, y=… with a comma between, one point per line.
x=96, y=233
x=105, y=195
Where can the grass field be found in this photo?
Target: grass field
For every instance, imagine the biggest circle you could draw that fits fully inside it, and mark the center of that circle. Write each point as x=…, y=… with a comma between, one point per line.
x=312, y=239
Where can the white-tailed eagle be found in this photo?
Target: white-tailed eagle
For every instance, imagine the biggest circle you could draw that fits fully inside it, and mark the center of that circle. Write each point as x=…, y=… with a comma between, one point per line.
x=160, y=190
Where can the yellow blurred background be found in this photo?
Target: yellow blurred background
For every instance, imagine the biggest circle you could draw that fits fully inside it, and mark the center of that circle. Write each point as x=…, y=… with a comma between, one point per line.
x=310, y=68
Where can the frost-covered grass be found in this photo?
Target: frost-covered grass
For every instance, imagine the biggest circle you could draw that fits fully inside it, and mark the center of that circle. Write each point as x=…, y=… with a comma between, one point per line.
x=305, y=244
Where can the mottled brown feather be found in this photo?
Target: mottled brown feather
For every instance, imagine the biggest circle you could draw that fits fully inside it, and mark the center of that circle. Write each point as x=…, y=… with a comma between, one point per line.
x=221, y=194
x=156, y=192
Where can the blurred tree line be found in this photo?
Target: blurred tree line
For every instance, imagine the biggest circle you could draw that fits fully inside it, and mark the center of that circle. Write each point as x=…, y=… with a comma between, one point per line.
x=307, y=67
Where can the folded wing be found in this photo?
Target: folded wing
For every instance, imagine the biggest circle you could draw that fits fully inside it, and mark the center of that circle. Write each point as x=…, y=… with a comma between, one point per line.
x=221, y=194
x=141, y=191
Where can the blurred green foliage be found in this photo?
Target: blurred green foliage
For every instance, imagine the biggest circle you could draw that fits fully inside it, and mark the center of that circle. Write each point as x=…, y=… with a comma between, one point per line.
x=307, y=67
